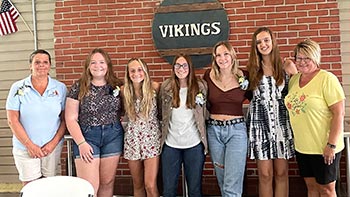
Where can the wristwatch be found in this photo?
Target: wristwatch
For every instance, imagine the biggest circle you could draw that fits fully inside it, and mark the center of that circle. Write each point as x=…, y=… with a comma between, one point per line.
x=332, y=146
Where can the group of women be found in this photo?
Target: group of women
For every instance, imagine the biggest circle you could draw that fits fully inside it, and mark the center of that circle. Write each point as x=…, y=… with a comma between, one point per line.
x=290, y=113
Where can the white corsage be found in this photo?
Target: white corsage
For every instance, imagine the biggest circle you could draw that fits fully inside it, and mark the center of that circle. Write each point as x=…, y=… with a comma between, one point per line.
x=243, y=82
x=116, y=91
x=22, y=90
x=200, y=99
x=154, y=93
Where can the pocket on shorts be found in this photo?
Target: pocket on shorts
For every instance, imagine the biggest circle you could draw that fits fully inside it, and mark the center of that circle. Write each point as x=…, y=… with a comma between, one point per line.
x=118, y=127
x=85, y=129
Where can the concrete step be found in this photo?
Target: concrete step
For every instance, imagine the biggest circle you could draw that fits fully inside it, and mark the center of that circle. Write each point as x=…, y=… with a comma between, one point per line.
x=10, y=188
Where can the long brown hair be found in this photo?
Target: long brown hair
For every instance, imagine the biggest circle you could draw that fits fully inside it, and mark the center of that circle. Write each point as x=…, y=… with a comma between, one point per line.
x=255, y=61
x=147, y=92
x=192, y=84
x=86, y=77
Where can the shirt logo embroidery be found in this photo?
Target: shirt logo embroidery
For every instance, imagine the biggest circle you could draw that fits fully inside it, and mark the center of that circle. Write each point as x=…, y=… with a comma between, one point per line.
x=296, y=104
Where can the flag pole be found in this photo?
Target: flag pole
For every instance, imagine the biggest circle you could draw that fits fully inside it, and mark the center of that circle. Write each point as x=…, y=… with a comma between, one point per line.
x=20, y=15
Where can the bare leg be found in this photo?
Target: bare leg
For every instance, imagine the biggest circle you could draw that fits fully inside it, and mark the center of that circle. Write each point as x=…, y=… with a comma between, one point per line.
x=136, y=170
x=151, y=172
x=280, y=167
x=108, y=168
x=89, y=172
x=265, y=170
x=327, y=190
x=312, y=190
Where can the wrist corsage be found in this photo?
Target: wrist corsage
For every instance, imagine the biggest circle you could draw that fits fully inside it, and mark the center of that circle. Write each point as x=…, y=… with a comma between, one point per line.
x=22, y=90
x=243, y=82
x=200, y=99
x=116, y=91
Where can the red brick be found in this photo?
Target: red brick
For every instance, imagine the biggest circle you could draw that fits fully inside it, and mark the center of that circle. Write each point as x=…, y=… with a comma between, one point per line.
x=296, y=14
x=80, y=8
x=124, y=30
x=328, y=19
x=327, y=6
x=89, y=2
x=318, y=13
x=98, y=19
x=274, y=2
x=276, y=15
x=256, y=16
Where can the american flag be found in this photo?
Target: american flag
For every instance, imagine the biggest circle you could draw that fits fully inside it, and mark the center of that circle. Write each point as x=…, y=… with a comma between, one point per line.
x=8, y=17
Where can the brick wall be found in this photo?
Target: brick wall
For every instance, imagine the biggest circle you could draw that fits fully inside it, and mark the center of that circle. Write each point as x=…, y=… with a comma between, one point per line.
x=123, y=28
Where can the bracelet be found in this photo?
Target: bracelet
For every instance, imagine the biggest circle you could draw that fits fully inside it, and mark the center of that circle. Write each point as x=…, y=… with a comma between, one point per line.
x=81, y=142
x=332, y=146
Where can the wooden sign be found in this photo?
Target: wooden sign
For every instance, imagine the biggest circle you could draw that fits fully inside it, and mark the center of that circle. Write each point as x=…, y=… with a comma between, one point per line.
x=189, y=26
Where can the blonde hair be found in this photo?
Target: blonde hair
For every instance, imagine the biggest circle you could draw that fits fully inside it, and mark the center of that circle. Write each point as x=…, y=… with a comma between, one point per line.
x=86, y=77
x=310, y=49
x=214, y=65
x=147, y=93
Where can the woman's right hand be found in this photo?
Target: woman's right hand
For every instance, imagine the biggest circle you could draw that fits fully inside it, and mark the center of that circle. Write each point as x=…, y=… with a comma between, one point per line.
x=289, y=66
x=86, y=152
x=35, y=151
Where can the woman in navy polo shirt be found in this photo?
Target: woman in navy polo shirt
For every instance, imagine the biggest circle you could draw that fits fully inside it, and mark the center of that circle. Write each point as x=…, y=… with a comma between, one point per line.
x=35, y=109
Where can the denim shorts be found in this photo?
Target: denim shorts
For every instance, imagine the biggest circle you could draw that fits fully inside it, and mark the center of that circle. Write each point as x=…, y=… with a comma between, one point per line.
x=105, y=140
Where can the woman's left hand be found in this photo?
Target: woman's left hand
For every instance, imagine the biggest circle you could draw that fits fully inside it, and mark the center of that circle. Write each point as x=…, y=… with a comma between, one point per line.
x=328, y=155
x=48, y=148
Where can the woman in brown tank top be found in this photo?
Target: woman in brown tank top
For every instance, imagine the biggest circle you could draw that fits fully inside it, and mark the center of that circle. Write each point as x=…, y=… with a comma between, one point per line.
x=227, y=135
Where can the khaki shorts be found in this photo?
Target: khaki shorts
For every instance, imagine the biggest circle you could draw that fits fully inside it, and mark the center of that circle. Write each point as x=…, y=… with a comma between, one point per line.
x=33, y=168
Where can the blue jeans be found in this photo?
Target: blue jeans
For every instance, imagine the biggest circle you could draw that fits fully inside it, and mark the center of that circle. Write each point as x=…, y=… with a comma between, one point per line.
x=105, y=140
x=193, y=160
x=228, y=151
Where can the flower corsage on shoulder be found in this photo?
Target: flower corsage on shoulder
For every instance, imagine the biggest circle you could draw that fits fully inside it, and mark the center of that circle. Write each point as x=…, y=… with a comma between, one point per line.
x=200, y=99
x=116, y=91
x=22, y=90
x=243, y=82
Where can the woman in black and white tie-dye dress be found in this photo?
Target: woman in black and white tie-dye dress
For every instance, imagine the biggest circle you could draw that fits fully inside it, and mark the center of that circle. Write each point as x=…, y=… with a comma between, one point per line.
x=270, y=134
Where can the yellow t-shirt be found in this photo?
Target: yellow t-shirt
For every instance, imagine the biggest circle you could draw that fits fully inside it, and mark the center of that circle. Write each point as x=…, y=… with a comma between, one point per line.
x=309, y=111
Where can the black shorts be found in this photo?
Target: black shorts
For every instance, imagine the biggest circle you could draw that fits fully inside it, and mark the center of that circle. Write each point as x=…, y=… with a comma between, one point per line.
x=314, y=166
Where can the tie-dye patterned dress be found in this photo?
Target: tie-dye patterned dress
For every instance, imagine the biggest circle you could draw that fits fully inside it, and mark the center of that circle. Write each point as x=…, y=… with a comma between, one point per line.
x=269, y=129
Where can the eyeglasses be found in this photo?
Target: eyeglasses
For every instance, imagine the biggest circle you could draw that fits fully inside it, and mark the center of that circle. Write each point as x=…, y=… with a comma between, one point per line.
x=304, y=59
x=178, y=66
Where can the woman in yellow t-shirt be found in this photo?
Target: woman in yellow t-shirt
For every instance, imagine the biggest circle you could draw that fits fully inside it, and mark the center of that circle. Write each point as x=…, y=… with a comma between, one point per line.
x=315, y=102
